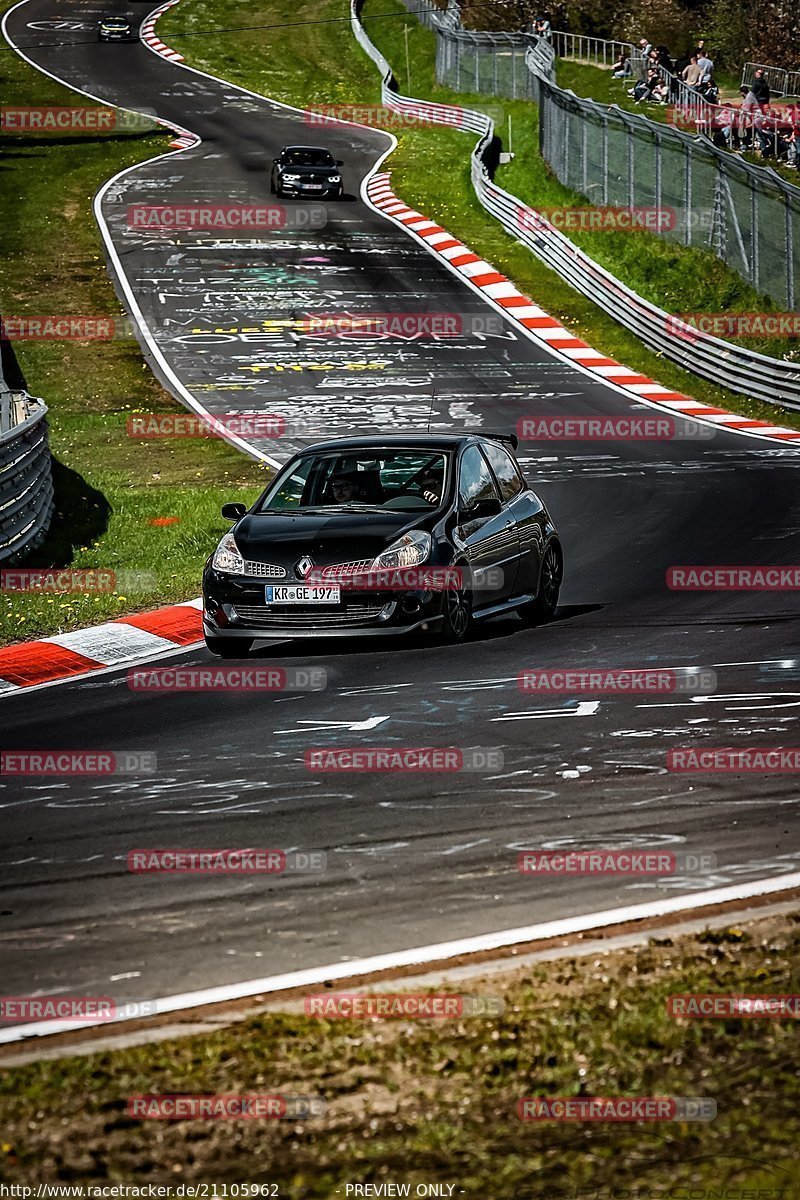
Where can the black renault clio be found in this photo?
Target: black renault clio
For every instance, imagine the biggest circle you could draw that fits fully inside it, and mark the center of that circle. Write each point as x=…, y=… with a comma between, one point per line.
x=376, y=536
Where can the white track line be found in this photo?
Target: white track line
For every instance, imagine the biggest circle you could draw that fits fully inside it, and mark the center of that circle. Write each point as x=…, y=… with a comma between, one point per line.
x=437, y=952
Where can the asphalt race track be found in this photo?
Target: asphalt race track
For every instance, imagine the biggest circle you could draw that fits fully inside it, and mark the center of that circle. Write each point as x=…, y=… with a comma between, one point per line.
x=411, y=859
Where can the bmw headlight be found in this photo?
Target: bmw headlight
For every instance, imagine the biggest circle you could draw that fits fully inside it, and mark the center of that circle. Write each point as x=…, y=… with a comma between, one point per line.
x=290, y=178
x=409, y=551
x=227, y=557
x=334, y=179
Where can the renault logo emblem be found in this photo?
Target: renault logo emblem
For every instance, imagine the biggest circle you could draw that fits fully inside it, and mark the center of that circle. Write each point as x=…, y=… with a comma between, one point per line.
x=304, y=567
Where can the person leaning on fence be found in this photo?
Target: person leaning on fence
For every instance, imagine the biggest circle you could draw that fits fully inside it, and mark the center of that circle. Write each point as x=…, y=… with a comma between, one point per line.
x=542, y=28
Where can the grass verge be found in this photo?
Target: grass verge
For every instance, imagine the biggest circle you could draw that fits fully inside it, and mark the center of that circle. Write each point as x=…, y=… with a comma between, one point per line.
x=110, y=489
x=304, y=53
x=435, y=1101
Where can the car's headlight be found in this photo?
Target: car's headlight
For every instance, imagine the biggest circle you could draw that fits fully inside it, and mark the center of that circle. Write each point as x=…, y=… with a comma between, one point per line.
x=334, y=179
x=227, y=557
x=409, y=551
x=290, y=178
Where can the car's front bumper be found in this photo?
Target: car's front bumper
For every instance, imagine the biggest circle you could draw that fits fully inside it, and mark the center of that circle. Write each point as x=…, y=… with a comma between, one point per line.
x=299, y=189
x=234, y=607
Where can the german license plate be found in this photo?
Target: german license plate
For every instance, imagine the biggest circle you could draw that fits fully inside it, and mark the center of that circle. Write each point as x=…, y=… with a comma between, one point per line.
x=302, y=593
x=313, y=187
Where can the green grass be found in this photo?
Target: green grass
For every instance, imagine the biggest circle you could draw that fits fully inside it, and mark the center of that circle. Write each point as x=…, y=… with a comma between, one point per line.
x=435, y=1101
x=430, y=170
x=108, y=485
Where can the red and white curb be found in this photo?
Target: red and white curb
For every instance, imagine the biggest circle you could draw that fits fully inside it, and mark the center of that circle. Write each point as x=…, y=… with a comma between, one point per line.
x=148, y=35
x=521, y=309
x=84, y=651
x=154, y=43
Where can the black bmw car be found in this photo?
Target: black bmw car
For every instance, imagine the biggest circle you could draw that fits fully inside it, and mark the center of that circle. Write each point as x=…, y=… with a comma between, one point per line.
x=306, y=171
x=114, y=29
x=377, y=536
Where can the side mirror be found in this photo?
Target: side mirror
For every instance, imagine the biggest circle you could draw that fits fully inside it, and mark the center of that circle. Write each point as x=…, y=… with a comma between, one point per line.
x=340, y=162
x=481, y=509
x=234, y=512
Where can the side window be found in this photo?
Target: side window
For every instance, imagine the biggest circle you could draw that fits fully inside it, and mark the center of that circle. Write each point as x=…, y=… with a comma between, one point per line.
x=474, y=478
x=505, y=469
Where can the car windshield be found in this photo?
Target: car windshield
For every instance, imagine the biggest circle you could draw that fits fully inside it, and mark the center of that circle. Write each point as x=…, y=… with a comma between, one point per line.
x=307, y=158
x=399, y=479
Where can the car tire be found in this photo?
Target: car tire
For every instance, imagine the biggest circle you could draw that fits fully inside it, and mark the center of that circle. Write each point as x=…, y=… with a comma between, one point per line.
x=543, y=608
x=457, y=611
x=229, y=647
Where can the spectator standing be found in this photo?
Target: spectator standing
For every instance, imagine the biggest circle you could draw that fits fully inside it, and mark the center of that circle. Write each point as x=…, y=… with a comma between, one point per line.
x=760, y=88
x=692, y=74
x=706, y=65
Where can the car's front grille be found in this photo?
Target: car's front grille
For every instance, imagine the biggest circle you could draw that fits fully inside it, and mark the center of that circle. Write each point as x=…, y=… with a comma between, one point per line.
x=277, y=617
x=345, y=569
x=264, y=570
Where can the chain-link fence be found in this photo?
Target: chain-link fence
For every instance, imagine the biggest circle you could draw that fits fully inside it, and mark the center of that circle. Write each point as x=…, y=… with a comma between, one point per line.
x=748, y=215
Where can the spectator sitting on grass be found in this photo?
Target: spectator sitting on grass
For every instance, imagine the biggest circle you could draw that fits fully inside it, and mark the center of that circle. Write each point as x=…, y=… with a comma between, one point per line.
x=645, y=87
x=622, y=67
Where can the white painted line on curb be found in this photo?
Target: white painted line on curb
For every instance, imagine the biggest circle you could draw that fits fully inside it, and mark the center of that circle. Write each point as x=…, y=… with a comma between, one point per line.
x=437, y=952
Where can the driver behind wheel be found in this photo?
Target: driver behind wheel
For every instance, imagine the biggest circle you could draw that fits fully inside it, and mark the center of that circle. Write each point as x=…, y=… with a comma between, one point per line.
x=431, y=487
x=345, y=490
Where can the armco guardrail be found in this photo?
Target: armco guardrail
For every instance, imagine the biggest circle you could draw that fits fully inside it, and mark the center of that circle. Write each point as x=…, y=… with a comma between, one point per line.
x=723, y=363
x=26, y=481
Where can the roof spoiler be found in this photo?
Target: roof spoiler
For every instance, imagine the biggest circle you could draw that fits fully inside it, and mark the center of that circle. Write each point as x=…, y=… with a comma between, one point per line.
x=510, y=438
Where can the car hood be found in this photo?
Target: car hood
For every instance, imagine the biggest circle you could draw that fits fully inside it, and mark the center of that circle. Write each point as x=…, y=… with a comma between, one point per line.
x=326, y=538
x=322, y=169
